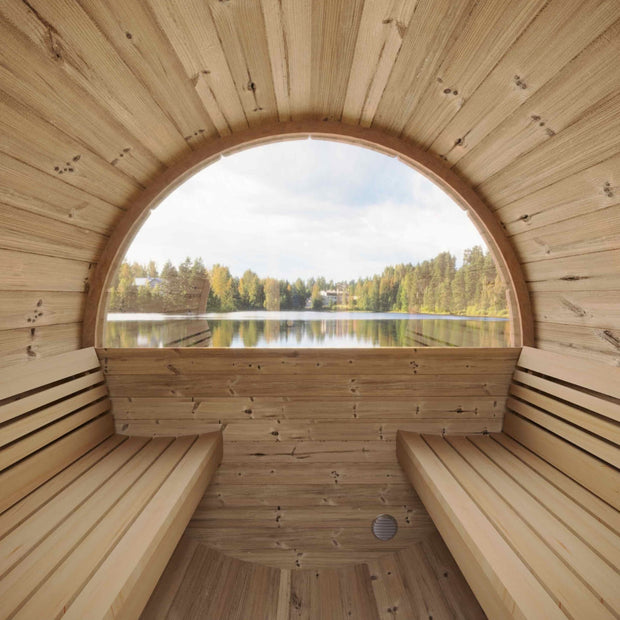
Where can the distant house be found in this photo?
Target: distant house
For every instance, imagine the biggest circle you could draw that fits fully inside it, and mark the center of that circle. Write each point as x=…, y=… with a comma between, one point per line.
x=150, y=282
x=329, y=298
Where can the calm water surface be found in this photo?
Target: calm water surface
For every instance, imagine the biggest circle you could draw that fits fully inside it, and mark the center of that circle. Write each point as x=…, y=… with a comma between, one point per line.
x=304, y=329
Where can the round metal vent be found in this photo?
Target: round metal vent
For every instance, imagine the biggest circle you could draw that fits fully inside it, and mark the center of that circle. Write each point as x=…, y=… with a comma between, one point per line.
x=384, y=527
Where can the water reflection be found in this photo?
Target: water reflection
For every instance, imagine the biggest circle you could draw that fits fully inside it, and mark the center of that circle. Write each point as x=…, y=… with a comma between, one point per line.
x=304, y=329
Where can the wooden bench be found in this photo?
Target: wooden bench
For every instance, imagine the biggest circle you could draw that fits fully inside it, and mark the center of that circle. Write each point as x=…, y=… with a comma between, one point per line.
x=531, y=514
x=88, y=518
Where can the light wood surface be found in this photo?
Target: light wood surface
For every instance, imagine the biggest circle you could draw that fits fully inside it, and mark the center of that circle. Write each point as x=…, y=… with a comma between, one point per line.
x=81, y=505
x=421, y=580
x=309, y=457
x=566, y=410
x=537, y=485
x=483, y=96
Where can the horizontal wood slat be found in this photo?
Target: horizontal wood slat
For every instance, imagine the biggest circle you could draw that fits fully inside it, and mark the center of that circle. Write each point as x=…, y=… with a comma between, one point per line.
x=589, y=471
x=24, y=378
x=33, y=471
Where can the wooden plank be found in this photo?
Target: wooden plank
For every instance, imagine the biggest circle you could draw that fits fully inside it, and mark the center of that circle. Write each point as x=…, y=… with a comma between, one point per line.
x=310, y=452
x=34, y=421
x=269, y=518
x=35, y=568
x=531, y=545
x=599, y=576
x=284, y=595
x=31, y=272
x=579, y=194
x=586, y=272
x=22, y=510
x=219, y=385
x=33, y=530
x=93, y=63
x=204, y=593
x=588, y=141
x=502, y=583
x=346, y=473
x=25, y=378
x=602, y=540
x=277, y=44
x=389, y=588
x=301, y=494
x=529, y=64
x=592, y=444
x=126, y=579
x=69, y=577
x=290, y=408
x=594, y=73
x=600, y=427
x=152, y=60
x=601, y=510
x=297, y=20
x=26, y=476
x=581, y=308
x=19, y=450
x=335, y=25
x=425, y=595
x=331, y=593
x=577, y=397
x=241, y=30
x=593, y=232
x=592, y=344
x=424, y=46
x=455, y=589
x=483, y=37
x=588, y=375
x=379, y=39
x=15, y=408
x=258, y=430
x=189, y=27
x=54, y=152
x=30, y=52
x=595, y=475
x=162, y=599
x=324, y=361
x=18, y=346
x=27, y=308
x=29, y=189
x=29, y=232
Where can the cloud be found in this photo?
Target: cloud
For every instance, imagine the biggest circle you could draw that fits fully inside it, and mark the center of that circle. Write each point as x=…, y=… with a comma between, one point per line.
x=303, y=208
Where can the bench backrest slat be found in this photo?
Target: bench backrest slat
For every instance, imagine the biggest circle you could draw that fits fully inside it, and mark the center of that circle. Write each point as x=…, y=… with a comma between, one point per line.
x=567, y=411
x=45, y=403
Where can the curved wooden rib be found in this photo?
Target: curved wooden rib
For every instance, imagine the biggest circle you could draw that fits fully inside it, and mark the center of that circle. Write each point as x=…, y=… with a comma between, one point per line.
x=483, y=218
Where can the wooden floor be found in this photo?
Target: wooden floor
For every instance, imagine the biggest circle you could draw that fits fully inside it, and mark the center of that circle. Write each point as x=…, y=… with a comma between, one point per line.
x=421, y=581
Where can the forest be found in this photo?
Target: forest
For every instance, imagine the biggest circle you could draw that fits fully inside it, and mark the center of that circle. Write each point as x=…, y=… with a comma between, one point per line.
x=435, y=286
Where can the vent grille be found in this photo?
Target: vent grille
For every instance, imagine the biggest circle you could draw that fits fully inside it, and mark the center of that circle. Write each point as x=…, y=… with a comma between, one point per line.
x=384, y=527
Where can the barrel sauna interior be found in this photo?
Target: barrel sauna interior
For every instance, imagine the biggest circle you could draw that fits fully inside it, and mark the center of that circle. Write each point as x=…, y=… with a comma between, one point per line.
x=513, y=107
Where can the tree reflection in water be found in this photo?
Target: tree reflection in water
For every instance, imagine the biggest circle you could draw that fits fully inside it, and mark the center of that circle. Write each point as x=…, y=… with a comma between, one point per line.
x=297, y=329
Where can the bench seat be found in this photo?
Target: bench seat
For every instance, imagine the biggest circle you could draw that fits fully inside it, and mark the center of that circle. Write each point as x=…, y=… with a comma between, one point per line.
x=531, y=514
x=92, y=538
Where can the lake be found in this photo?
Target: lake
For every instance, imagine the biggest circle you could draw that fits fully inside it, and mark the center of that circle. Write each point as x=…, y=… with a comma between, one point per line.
x=292, y=329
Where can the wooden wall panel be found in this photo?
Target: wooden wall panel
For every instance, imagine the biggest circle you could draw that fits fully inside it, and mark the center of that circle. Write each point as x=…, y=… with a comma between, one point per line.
x=309, y=457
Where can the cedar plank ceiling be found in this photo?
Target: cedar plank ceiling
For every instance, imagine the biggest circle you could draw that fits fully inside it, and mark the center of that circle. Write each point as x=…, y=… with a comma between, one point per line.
x=520, y=98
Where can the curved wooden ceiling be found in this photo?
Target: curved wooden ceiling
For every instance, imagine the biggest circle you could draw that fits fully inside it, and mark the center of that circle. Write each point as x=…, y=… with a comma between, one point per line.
x=521, y=99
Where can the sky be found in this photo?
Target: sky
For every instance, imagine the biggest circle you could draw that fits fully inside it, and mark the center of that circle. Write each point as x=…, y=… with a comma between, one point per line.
x=305, y=208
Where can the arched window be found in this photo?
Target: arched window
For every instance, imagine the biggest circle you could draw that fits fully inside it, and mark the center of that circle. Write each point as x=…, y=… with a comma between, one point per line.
x=307, y=243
